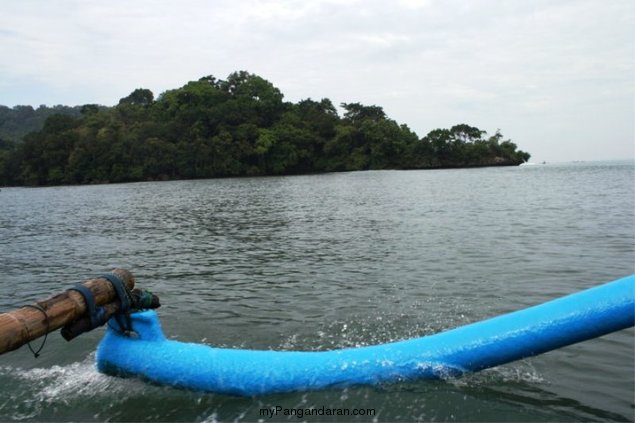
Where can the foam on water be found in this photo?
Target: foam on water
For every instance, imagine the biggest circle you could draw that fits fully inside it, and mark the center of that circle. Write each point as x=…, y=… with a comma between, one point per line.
x=65, y=385
x=518, y=372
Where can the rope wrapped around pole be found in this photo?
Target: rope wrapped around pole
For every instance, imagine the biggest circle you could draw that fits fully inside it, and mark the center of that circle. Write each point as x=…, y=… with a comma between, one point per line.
x=23, y=325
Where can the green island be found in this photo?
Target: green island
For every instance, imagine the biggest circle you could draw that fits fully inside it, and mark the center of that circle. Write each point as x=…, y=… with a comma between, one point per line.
x=218, y=128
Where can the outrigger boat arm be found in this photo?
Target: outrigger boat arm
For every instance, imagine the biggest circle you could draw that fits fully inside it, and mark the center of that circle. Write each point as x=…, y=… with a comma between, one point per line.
x=492, y=342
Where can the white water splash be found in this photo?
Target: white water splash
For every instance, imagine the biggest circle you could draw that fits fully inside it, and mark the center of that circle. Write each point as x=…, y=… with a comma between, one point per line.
x=72, y=381
x=518, y=372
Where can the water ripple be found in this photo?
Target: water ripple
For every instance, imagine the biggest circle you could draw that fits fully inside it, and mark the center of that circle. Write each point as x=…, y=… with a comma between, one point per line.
x=331, y=261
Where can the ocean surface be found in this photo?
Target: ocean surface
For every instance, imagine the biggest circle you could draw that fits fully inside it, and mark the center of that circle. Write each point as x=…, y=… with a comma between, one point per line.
x=329, y=261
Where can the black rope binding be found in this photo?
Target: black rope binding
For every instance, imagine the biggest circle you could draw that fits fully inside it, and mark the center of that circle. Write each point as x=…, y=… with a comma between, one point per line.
x=123, y=316
x=36, y=354
x=94, y=313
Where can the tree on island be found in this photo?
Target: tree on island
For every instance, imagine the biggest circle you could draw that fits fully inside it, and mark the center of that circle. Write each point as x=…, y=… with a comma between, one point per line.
x=233, y=127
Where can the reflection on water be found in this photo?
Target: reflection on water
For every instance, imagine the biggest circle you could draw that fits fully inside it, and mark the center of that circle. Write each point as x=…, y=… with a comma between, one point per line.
x=329, y=261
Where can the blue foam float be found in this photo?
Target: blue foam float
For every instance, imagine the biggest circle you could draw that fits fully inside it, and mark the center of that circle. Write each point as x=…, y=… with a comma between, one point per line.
x=532, y=331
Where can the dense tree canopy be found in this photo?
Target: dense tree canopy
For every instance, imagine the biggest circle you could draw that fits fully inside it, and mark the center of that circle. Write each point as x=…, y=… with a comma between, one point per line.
x=232, y=127
x=16, y=122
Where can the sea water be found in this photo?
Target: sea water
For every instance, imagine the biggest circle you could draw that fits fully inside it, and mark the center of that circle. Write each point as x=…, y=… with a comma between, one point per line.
x=329, y=261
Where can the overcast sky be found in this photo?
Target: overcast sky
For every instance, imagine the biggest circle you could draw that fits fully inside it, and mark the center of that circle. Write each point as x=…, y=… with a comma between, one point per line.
x=556, y=76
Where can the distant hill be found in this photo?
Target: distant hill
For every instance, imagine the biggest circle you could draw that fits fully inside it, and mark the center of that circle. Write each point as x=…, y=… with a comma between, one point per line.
x=16, y=122
x=216, y=128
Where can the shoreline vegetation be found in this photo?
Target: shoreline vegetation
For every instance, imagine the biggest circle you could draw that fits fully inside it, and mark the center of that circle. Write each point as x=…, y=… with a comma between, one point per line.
x=219, y=128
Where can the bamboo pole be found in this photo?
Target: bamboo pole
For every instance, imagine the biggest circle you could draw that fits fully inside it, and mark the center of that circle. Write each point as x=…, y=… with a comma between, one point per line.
x=28, y=323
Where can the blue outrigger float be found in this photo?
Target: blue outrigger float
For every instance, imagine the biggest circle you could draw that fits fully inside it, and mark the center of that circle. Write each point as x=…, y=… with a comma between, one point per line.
x=492, y=342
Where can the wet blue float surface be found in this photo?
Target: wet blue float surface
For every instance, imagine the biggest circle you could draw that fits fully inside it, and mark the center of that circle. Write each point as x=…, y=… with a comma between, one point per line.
x=535, y=330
